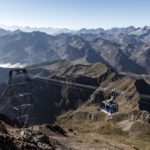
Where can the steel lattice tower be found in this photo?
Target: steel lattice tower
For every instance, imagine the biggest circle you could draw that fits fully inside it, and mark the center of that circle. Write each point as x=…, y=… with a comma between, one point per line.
x=21, y=95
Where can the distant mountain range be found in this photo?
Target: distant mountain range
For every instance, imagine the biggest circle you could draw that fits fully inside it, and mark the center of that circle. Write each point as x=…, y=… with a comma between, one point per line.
x=53, y=31
x=48, y=30
x=125, y=49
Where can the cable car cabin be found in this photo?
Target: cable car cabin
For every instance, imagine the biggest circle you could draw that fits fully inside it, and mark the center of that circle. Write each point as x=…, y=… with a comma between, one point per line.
x=109, y=107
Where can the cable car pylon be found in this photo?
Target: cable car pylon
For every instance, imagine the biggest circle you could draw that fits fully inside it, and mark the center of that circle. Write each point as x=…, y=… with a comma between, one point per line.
x=19, y=92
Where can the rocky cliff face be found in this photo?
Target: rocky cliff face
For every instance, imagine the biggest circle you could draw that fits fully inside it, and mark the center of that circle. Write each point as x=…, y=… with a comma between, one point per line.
x=56, y=99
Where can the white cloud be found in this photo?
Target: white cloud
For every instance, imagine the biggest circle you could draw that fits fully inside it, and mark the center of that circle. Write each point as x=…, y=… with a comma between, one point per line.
x=8, y=65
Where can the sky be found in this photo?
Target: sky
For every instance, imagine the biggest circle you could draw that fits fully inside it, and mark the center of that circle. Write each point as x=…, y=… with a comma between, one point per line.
x=75, y=14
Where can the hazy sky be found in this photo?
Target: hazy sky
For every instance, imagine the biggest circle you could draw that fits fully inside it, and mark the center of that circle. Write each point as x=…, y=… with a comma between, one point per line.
x=75, y=14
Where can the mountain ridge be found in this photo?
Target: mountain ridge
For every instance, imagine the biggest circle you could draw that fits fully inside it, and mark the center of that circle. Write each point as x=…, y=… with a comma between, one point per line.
x=121, y=48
